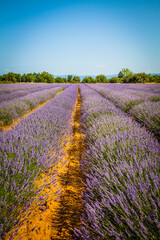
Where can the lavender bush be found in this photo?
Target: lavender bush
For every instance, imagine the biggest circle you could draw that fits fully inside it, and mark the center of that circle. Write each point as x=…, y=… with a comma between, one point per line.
x=13, y=87
x=144, y=107
x=9, y=88
x=148, y=112
x=11, y=110
x=155, y=98
x=121, y=165
x=24, y=154
x=138, y=87
x=24, y=92
x=123, y=97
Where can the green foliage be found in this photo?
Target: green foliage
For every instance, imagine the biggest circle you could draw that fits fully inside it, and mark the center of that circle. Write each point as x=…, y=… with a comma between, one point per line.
x=114, y=80
x=65, y=80
x=29, y=77
x=9, y=77
x=44, y=77
x=124, y=76
x=154, y=99
x=48, y=78
x=101, y=79
x=138, y=78
x=70, y=78
x=76, y=79
x=59, y=80
x=18, y=77
x=120, y=74
x=86, y=80
x=156, y=120
x=5, y=117
x=125, y=72
x=93, y=80
x=89, y=80
x=131, y=104
x=154, y=78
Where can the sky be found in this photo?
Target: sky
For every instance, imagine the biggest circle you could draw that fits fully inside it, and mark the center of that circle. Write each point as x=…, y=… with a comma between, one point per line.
x=81, y=37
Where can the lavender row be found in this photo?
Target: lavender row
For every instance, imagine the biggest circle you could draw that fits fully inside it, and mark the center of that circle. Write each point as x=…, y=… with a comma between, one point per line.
x=138, y=87
x=11, y=110
x=144, y=107
x=24, y=153
x=24, y=92
x=121, y=165
x=124, y=97
x=9, y=88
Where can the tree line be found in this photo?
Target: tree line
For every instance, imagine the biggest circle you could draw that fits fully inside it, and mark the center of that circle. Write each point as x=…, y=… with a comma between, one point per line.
x=124, y=76
x=43, y=77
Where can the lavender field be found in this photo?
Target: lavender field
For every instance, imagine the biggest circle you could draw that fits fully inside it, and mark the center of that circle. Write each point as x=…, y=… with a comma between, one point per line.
x=16, y=103
x=98, y=146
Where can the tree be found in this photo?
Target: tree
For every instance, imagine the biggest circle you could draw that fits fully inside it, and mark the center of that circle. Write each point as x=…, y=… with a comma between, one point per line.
x=65, y=80
x=120, y=74
x=39, y=77
x=47, y=77
x=23, y=78
x=76, y=79
x=69, y=78
x=30, y=77
x=88, y=80
x=92, y=80
x=4, y=77
x=138, y=78
x=101, y=79
x=125, y=72
x=18, y=77
x=114, y=80
x=10, y=77
x=59, y=80
x=154, y=78
x=44, y=77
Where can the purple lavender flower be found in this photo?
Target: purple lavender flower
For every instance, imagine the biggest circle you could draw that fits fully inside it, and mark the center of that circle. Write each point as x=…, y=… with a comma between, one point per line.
x=12, y=109
x=27, y=150
x=121, y=165
x=141, y=103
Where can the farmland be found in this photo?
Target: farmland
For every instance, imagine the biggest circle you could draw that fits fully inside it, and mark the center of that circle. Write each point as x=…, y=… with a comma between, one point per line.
x=80, y=161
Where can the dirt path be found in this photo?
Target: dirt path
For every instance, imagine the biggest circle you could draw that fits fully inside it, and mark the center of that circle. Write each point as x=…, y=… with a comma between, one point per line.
x=56, y=218
x=70, y=205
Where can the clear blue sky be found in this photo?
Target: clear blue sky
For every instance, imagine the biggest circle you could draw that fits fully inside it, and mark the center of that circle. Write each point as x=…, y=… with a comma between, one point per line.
x=83, y=37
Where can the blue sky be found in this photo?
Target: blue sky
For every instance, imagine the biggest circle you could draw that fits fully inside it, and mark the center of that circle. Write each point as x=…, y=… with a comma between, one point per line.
x=80, y=37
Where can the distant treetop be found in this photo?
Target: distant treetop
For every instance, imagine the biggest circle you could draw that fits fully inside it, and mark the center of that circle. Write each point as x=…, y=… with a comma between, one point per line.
x=124, y=76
